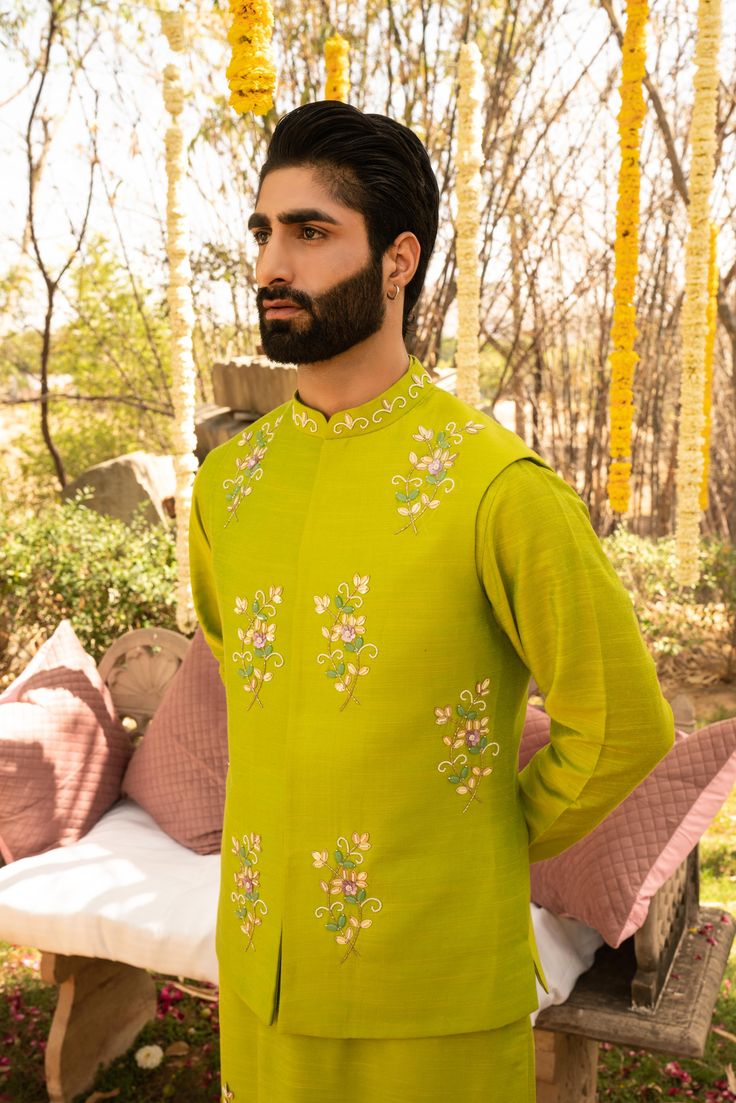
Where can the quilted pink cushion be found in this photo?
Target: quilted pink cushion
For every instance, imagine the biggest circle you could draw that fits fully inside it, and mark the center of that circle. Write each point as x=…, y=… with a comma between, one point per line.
x=177, y=773
x=62, y=749
x=608, y=878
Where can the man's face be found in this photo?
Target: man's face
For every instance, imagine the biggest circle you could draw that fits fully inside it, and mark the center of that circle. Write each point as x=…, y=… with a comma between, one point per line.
x=320, y=290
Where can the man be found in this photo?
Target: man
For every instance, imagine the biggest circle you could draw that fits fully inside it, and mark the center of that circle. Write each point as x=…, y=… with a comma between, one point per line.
x=378, y=568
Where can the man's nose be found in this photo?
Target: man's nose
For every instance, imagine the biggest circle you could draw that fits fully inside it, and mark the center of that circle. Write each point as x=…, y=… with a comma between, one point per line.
x=274, y=263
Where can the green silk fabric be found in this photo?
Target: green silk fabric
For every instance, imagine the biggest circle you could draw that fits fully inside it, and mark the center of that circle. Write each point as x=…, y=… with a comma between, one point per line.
x=377, y=587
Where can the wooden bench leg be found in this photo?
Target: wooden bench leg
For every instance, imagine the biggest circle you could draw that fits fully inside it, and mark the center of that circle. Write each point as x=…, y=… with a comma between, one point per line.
x=567, y=1068
x=102, y=1005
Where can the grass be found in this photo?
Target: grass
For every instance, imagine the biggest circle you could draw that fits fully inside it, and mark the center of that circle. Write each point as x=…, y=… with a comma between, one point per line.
x=186, y=1027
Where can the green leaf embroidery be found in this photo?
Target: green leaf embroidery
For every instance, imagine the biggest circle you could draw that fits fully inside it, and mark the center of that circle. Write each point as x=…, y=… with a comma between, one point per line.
x=348, y=864
x=341, y=669
x=331, y=673
x=401, y=497
x=464, y=773
x=474, y=750
x=361, y=895
x=461, y=711
x=248, y=670
x=339, y=857
x=332, y=926
x=348, y=608
x=256, y=605
x=339, y=601
x=268, y=649
x=342, y=921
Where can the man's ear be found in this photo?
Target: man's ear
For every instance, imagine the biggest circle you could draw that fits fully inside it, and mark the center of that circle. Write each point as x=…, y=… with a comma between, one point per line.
x=402, y=258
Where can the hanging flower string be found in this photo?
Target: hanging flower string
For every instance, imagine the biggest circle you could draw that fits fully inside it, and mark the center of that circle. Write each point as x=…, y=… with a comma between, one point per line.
x=337, y=63
x=695, y=306
x=710, y=344
x=181, y=320
x=623, y=358
x=251, y=73
x=469, y=163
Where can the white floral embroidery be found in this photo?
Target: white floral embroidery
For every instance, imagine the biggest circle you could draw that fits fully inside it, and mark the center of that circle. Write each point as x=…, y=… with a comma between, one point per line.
x=302, y=418
x=419, y=489
x=350, y=422
x=249, y=466
x=387, y=407
x=345, y=633
x=470, y=737
x=419, y=382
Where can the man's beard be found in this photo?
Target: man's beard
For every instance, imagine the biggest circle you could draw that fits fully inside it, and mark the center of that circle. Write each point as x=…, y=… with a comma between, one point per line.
x=348, y=313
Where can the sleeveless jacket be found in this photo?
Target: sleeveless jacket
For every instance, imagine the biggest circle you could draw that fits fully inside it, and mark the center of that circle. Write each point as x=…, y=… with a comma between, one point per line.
x=375, y=849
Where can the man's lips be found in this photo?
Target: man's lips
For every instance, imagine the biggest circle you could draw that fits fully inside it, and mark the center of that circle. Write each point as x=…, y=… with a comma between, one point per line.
x=282, y=308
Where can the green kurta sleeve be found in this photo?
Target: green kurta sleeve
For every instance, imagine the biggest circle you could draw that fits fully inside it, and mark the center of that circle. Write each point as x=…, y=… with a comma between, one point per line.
x=204, y=593
x=570, y=620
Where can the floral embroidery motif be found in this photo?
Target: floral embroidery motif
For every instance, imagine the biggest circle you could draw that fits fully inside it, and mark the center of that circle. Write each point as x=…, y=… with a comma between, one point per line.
x=257, y=640
x=249, y=908
x=228, y=1095
x=346, y=916
x=470, y=734
x=345, y=633
x=303, y=420
x=249, y=466
x=350, y=422
x=419, y=382
x=387, y=407
x=419, y=489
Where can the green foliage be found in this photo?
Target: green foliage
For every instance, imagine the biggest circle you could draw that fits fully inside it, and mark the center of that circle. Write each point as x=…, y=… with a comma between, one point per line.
x=674, y=621
x=71, y=562
x=112, y=350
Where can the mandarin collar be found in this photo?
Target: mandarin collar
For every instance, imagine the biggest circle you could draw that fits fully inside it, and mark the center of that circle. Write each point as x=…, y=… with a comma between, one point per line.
x=408, y=391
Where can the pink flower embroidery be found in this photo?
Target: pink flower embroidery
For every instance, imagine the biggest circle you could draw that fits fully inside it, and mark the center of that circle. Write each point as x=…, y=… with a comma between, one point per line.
x=346, y=916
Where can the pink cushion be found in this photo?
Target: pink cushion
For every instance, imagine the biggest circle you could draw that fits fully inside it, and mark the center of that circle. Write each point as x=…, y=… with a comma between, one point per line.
x=62, y=749
x=608, y=878
x=177, y=773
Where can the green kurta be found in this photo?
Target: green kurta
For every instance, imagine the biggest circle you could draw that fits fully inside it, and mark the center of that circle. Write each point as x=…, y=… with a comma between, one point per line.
x=377, y=587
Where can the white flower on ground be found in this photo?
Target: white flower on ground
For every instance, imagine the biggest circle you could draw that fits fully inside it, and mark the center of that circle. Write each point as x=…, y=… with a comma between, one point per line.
x=149, y=1057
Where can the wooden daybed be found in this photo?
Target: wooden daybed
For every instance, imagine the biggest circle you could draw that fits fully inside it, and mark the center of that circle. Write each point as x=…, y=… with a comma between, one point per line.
x=657, y=991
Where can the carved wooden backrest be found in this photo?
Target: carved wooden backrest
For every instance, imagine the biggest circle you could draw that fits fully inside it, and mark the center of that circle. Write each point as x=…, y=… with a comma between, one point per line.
x=137, y=669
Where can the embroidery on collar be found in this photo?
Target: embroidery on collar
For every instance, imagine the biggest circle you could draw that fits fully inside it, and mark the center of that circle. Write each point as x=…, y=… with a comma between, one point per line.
x=228, y=1095
x=419, y=489
x=248, y=466
x=347, y=631
x=420, y=380
x=349, y=422
x=345, y=917
x=302, y=418
x=387, y=407
x=471, y=733
x=249, y=908
x=257, y=640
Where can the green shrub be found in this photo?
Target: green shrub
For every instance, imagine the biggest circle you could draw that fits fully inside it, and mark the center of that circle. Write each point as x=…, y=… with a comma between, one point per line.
x=679, y=623
x=70, y=562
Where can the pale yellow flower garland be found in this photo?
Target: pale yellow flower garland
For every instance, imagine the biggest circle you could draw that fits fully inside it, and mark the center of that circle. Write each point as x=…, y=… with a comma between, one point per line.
x=251, y=73
x=469, y=163
x=337, y=63
x=710, y=344
x=181, y=320
x=695, y=306
x=623, y=358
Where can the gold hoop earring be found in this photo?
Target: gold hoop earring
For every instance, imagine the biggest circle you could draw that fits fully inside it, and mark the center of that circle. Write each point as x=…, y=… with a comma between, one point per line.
x=395, y=296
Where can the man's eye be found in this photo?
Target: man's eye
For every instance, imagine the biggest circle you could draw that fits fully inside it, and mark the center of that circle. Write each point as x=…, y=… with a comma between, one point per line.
x=260, y=237
x=311, y=233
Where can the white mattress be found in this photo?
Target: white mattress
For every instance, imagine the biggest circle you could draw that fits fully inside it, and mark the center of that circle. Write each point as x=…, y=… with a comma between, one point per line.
x=128, y=892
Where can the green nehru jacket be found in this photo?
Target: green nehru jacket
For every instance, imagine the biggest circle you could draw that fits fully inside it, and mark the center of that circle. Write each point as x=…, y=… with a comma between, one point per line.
x=376, y=588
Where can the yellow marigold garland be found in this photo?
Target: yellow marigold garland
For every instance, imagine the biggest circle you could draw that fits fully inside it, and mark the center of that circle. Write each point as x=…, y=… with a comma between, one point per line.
x=469, y=163
x=337, y=63
x=710, y=344
x=623, y=358
x=251, y=73
x=695, y=306
x=181, y=320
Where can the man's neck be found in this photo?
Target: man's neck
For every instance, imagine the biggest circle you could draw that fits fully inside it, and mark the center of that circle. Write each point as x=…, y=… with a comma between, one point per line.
x=353, y=378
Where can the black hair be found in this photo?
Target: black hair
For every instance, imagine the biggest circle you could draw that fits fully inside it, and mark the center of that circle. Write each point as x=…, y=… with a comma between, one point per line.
x=371, y=164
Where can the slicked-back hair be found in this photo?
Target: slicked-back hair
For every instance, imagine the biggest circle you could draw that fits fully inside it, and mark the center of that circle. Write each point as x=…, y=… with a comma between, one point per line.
x=371, y=164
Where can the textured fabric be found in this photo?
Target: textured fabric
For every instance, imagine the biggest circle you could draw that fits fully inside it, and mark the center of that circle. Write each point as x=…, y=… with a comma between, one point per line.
x=377, y=587
x=128, y=892
x=177, y=772
x=125, y=892
x=62, y=749
x=608, y=879
x=261, y=1064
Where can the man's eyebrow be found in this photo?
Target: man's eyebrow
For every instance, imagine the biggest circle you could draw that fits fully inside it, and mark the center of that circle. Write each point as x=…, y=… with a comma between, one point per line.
x=290, y=218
